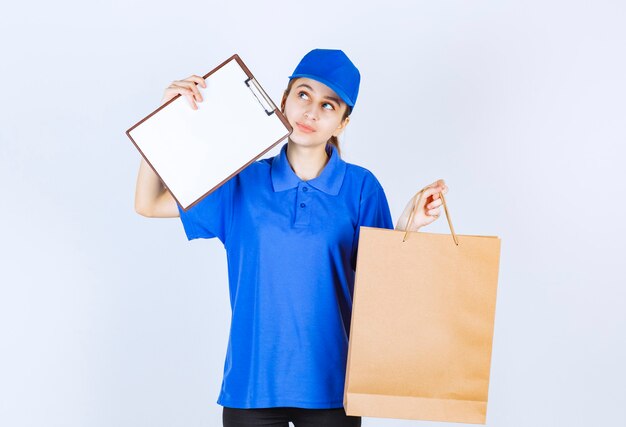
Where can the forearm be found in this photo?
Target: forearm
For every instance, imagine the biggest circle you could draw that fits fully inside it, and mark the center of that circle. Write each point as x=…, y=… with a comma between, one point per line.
x=148, y=190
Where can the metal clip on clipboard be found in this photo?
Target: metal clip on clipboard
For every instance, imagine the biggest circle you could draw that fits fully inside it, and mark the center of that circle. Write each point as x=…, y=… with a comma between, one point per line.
x=261, y=96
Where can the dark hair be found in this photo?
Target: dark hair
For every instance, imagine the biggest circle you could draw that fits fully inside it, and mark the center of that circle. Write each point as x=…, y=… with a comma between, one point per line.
x=333, y=140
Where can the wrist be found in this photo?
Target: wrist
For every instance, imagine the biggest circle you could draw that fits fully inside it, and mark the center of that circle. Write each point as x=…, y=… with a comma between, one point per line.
x=403, y=227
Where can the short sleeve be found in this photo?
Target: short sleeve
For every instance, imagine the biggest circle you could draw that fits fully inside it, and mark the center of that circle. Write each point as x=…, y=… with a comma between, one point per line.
x=212, y=216
x=373, y=212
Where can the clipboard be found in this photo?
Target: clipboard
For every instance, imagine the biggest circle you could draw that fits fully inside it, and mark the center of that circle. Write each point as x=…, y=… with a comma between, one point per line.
x=194, y=152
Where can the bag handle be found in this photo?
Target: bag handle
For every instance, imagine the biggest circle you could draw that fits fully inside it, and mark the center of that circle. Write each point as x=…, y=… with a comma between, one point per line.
x=445, y=208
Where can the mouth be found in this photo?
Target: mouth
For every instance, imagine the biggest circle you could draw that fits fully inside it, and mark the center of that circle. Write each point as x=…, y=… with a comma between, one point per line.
x=304, y=128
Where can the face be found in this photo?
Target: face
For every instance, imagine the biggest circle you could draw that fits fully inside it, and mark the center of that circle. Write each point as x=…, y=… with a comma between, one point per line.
x=314, y=111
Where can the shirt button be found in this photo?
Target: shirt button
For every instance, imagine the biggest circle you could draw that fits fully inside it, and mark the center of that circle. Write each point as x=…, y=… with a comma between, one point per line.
x=302, y=205
x=305, y=189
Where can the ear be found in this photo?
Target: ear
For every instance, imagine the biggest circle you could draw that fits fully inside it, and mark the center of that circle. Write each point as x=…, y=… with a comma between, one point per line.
x=342, y=126
x=282, y=103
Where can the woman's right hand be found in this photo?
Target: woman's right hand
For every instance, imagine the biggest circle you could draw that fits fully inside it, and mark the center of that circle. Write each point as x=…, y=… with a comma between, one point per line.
x=187, y=88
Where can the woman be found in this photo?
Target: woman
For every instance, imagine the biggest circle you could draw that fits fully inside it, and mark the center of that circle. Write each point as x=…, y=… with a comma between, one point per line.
x=290, y=226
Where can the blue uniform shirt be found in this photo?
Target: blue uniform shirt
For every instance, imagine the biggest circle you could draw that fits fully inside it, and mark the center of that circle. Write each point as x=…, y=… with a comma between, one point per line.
x=291, y=248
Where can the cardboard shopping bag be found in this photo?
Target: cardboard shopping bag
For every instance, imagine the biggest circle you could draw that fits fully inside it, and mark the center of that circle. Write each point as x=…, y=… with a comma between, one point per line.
x=422, y=325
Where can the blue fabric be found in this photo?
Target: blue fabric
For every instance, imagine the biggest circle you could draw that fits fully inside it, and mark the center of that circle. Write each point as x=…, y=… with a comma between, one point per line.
x=333, y=68
x=291, y=248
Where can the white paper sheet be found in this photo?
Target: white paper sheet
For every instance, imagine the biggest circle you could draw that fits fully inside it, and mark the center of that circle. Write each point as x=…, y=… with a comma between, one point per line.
x=193, y=151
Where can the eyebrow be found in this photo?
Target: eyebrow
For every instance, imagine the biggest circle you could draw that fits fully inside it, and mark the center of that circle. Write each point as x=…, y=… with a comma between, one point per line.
x=332, y=98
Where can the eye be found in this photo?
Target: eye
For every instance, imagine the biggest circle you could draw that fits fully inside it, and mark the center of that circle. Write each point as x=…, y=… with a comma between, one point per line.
x=303, y=95
x=328, y=106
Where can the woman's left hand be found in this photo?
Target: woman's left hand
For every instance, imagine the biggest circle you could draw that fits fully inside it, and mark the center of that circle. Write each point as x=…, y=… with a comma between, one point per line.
x=428, y=209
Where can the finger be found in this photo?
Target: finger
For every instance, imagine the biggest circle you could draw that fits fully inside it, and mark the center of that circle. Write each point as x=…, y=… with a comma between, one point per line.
x=444, y=187
x=435, y=204
x=429, y=192
x=191, y=86
x=185, y=83
x=427, y=198
x=191, y=102
x=196, y=91
x=188, y=93
x=197, y=79
x=434, y=212
x=183, y=92
x=441, y=188
x=180, y=89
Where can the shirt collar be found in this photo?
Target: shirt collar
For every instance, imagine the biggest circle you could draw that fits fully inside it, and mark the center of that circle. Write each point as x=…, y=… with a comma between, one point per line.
x=329, y=181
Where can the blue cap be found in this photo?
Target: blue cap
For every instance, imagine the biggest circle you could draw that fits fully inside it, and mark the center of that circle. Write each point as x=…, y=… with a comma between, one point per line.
x=333, y=68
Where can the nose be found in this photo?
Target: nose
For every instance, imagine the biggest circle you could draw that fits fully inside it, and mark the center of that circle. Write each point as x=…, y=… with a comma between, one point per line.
x=311, y=113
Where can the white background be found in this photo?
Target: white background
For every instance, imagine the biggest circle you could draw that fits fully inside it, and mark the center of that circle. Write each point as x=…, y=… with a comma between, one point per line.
x=111, y=319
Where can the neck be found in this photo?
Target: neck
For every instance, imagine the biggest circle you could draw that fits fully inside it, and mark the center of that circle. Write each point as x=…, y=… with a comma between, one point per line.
x=307, y=162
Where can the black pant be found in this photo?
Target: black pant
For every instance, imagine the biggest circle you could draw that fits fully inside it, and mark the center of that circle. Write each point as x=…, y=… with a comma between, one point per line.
x=281, y=416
